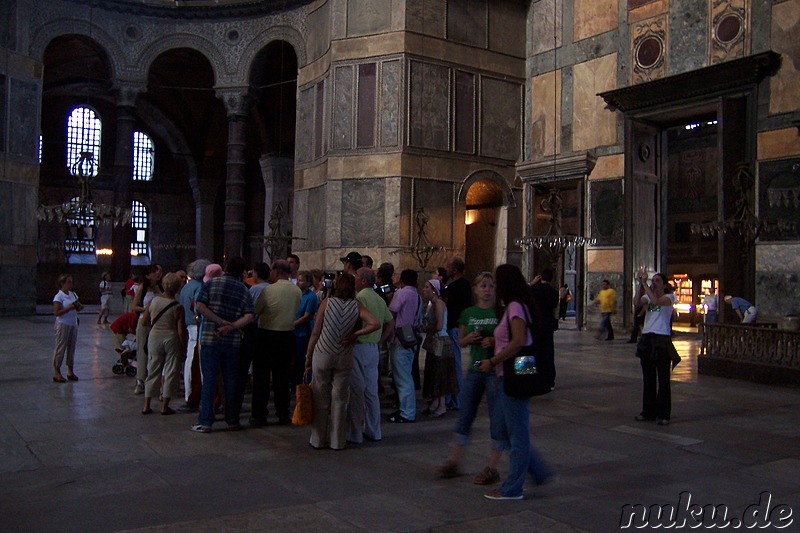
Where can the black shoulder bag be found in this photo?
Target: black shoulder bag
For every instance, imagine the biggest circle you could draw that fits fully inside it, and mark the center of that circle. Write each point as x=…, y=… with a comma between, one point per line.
x=523, y=375
x=153, y=323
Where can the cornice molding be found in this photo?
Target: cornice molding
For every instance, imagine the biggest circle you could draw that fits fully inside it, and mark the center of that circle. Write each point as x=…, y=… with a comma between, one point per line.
x=558, y=169
x=205, y=11
x=698, y=83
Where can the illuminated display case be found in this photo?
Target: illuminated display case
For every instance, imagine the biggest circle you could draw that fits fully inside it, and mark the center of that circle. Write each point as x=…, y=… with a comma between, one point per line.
x=684, y=295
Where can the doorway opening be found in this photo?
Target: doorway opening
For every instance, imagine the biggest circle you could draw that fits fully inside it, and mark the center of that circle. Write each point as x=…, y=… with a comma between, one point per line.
x=483, y=208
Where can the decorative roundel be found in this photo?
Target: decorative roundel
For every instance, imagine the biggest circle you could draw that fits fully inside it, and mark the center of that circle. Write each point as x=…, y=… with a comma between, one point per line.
x=644, y=152
x=232, y=36
x=649, y=51
x=729, y=28
x=133, y=33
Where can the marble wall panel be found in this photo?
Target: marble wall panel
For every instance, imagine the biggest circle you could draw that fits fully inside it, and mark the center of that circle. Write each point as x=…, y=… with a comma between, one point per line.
x=437, y=200
x=23, y=119
x=427, y=17
x=501, y=111
x=300, y=220
x=392, y=207
x=18, y=290
x=363, y=212
x=593, y=17
x=365, y=112
x=545, y=114
x=465, y=111
x=343, y=108
x=316, y=215
x=430, y=110
x=688, y=31
x=776, y=293
x=305, y=125
x=785, y=85
x=390, y=90
x=467, y=22
x=368, y=17
x=3, y=112
x=607, y=212
x=319, y=34
x=779, y=199
x=333, y=213
x=507, y=33
x=545, y=26
x=592, y=124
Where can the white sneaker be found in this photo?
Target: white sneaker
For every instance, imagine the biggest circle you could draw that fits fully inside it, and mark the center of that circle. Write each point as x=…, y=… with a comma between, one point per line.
x=139, y=388
x=495, y=495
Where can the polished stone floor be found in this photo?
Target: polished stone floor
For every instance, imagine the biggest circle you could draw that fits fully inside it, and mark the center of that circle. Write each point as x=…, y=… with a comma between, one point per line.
x=79, y=456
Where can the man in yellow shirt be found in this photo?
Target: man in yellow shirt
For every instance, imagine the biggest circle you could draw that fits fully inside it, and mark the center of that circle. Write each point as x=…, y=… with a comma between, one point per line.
x=607, y=300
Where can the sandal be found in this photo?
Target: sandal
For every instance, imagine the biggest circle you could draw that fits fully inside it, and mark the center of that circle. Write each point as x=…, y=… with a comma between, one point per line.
x=168, y=411
x=147, y=411
x=59, y=379
x=487, y=476
x=448, y=470
x=399, y=419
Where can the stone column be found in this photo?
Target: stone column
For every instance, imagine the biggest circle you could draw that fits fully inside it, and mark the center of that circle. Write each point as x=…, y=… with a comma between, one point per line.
x=235, y=100
x=121, y=236
x=204, y=220
x=278, y=175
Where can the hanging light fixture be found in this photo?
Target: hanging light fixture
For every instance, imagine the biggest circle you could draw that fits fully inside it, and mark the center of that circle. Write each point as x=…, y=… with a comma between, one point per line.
x=83, y=208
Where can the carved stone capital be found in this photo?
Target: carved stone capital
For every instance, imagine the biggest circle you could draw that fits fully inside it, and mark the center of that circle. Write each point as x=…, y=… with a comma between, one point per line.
x=235, y=100
x=128, y=91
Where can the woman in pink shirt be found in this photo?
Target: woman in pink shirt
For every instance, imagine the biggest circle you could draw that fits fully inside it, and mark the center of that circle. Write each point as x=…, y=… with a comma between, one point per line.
x=512, y=333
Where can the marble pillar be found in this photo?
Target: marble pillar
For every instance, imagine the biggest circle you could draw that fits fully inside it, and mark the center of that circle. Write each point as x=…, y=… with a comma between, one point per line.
x=123, y=174
x=235, y=100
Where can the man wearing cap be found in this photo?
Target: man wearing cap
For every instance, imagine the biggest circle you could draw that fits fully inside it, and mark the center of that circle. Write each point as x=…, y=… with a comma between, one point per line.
x=352, y=262
x=364, y=408
x=226, y=306
x=746, y=311
x=276, y=308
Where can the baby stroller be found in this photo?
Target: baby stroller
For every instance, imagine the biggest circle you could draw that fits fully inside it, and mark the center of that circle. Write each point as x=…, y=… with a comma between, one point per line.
x=127, y=357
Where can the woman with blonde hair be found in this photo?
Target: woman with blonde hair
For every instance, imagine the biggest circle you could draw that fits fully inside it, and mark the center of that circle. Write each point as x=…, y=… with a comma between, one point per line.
x=165, y=345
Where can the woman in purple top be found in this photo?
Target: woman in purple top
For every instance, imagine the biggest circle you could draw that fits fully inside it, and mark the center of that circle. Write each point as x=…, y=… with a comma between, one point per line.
x=512, y=333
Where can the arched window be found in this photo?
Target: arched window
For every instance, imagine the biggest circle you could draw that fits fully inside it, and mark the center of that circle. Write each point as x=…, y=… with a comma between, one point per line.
x=142, y=157
x=80, y=225
x=141, y=229
x=83, y=135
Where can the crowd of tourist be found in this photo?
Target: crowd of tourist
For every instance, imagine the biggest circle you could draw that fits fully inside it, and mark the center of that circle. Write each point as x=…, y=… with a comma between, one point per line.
x=267, y=329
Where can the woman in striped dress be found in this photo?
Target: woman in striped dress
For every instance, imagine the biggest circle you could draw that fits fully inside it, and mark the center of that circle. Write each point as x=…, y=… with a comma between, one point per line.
x=330, y=357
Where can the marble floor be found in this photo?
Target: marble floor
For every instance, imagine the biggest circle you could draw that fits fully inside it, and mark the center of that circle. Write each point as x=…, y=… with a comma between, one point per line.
x=79, y=457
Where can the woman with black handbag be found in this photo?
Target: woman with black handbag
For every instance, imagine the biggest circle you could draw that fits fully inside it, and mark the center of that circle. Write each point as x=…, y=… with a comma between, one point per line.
x=513, y=333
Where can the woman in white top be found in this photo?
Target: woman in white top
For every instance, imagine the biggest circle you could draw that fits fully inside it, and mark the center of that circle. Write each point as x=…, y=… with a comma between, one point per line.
x=655, y=349
x=105, y=298
x=65, y=308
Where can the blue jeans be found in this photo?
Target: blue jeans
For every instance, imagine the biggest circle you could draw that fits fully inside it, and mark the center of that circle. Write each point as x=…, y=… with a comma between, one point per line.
x=514, y=430
x=402, y=358
x=605, y=326
x=212, y=360
x=454, y=400
x=475, y=384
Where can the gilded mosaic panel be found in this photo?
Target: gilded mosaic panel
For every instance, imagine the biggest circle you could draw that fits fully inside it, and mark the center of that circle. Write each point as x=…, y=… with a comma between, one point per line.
x=649, y=45
x=729, y=30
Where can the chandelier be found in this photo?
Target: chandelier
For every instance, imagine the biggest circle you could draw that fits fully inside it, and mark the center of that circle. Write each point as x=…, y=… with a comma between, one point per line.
x=553, y=242
x=743, y=223
x=422, y=250
x=84, y=208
